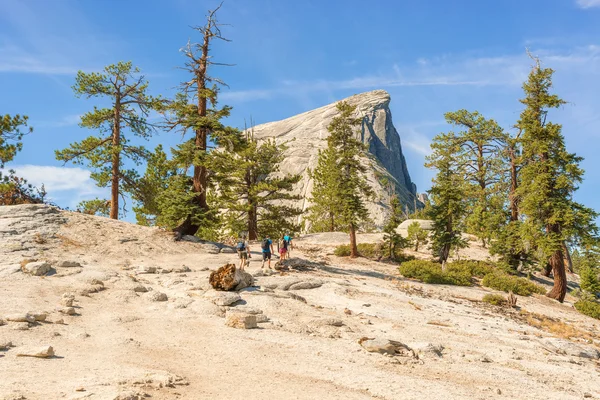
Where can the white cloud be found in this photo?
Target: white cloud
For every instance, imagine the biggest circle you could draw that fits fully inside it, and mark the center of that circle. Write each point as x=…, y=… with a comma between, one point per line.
x=588, y=3
x=67, y=120
x=66, y=186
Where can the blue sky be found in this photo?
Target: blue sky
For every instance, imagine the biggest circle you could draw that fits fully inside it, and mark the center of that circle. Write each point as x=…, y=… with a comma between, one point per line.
x=432, y=56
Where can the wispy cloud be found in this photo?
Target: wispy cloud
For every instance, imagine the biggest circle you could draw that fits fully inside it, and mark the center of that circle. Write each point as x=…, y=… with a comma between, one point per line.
x=68, y=120
x=65, y=185
x=588, y=3
x=448, y=70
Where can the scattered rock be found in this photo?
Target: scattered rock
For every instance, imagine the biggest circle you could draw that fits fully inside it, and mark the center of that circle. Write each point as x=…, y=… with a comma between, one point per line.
x=210, y=248
x=158, y=296
x=39, y=352
x=296, y=297
x=146, y=270
x=67, y=301
x=182, y=269
x=310, y=284
x=140, y=289
x=5, y=345
x=222, y=298
x=66, y=310
x=39, y=316
x=566, y=347
x=240, y=320
x=20, y=317
x=37, y=268
x=246, y=309
x=260, y=318
x=485, y=359
x=131, y=395
x=328, y=322
x=191, y=238
x=427, y=348
x=386, y=346
x=68, y=264
x=20, y=326
x=228, y=250
x=228, y=277
x=347, y=311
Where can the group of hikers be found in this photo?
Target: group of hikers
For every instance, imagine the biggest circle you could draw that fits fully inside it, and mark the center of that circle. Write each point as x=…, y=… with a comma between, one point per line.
x=284, y=246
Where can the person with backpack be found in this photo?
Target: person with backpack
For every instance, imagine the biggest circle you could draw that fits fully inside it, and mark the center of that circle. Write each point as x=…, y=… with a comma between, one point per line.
x=283, y=248
x=288, y=239
x=267, y=250
x=243, y=252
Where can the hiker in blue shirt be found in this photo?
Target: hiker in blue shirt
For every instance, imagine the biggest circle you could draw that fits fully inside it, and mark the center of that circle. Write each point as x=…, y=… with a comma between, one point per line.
x=288, y=239
x=267, y=250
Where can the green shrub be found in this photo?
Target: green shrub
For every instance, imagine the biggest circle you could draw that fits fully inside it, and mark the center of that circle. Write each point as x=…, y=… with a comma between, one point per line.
x=589, y=308
x=430, y=272
x=494, y=299
x=471, y=267
x=508, y=283
x=342, y=251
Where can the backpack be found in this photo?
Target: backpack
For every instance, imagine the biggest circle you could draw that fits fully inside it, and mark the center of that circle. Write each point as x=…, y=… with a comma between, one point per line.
x=241, y=246
x=285, y=244
x=265, y=244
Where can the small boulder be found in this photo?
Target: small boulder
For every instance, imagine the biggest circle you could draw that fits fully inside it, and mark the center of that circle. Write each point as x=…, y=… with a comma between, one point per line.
x=39, y=316
x=223, y=298
x=566, y=347
x=310, y=284
x=37, y=268
x=386, y=346
x=210, y=248
x=144, y=269
x=66, y=310
x=5, y=345
x=67, y=301
x=131, y=395
x=68, y=264
x=328, y=322
x=158, y=296
x=240, y=320
x=228, y=250
x=2, y=322
x=20, y=317
x=20, y=326
x=426, y=348
x=39, y=352
x=140, y=289
x=191, y=238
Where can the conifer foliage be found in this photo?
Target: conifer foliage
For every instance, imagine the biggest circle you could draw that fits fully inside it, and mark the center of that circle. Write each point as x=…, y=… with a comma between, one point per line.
x=252, y=193
x=106, y=152
x=548, y=179
x=340, y=183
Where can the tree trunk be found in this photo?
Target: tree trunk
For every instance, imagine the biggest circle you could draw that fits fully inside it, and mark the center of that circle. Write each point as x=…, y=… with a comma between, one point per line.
x=116, y=141
x=252, y=224
x=444, y=253
x=331, y=222
x=559, y=290
x=417, y=245
x=568, y=257
x=353, y=247
x=557, y=262
x=199, y=179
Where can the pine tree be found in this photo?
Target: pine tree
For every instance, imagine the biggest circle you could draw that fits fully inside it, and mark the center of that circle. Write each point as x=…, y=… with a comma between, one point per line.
x=447, y=195
x=417, y=235
x=195, y=110
x=325, y=210
x=481, y=156
x=353, y=188
x=12, y=130
x=392, y=239
x=253, y=195
x=106, y=153
x=548, y=179
x=99, y=207
x=14, y=189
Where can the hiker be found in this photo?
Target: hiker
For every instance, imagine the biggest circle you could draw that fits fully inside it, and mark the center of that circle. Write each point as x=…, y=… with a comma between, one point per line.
x=288, y=239
x=283, y=248
x=243, y=252
x=267, y=250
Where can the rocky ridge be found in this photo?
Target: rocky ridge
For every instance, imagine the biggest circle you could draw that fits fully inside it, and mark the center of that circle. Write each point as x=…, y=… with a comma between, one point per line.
x=305, y=134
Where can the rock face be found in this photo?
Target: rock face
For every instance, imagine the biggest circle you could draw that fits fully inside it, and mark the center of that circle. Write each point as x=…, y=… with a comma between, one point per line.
x=423, y=223
x=305, y=134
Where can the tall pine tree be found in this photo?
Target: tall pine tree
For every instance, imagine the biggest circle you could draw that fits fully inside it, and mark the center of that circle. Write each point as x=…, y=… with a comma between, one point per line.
x=325, y=210
x=253, y=195
x=447, y=196
x=352, y=188
x=106, y=152
x=548, y=179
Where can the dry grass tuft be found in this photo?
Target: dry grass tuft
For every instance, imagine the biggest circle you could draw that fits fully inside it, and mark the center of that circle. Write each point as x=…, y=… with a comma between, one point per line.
x=68, y=242
x=554, y=326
